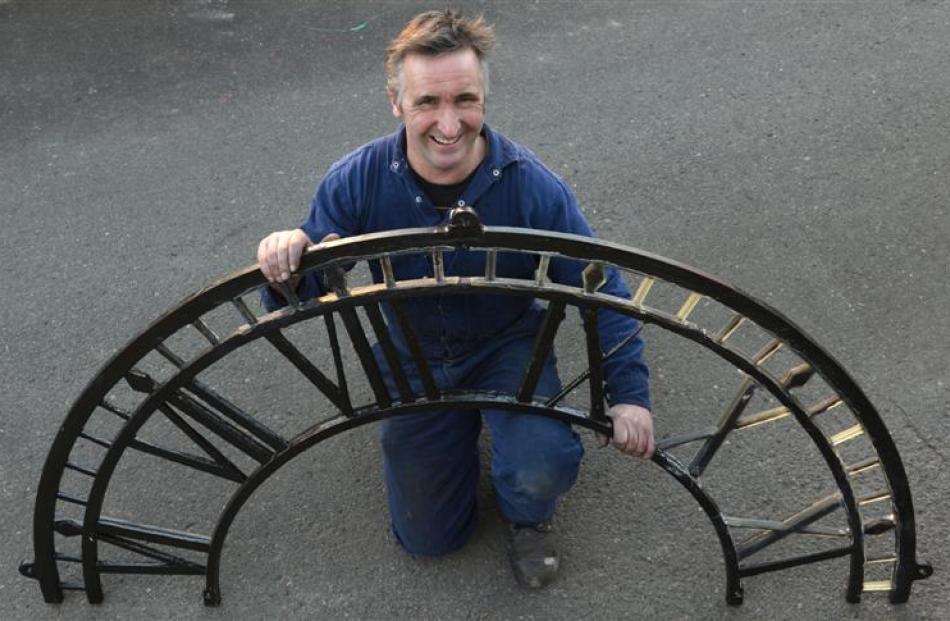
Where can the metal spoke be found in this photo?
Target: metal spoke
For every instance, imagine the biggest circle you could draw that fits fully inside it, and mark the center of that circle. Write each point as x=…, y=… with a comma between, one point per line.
x=114, y=409
x=438, y=265
x=306, y=367
x=758, y=524
x=288, y=293
x=730, y=419
x=336, y=280
x=577, y=381
x=541, y=350
x=846, y=435
x=71, y=499
x=688, y=306
x=730, y=328
x=363, y=351
x=210, y=449
x=790, y=525
x=345, y=404
x=805, y=559
x=725, y=425
x=142, y=532
x=541, y=273
x=221, y=428
x=205, y=331
x=89, y=472
x=762, y=356
x=491, y=264
x=172, y=564
x=824, y=406
x=208, y=414
x=593, y=277
x=97, y=441
x=766, y=416
x=418, y=357
x=642, y=291
x=673, y=441
x=595, y=365
x=389, y=351
x=165, y=568
x=863, y=466
x=879, y=526
x=72, y=586
x=389, y=277
x=245, y=312
x=129, y=536
x=238, y=416
x=798, y=376
x=196, y=462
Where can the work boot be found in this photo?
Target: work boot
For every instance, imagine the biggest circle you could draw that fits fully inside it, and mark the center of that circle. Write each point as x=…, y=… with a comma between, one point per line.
x=532, y=554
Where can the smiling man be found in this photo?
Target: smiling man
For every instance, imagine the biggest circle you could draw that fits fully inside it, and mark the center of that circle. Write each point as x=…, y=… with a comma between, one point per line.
x=441, y=100
x=441, y=156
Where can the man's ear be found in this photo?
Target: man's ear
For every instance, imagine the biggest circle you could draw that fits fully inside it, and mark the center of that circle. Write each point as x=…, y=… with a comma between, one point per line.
x=397, y=110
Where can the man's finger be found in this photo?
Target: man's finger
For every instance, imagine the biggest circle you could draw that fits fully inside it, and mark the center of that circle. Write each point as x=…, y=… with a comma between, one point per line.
x=275, y=258
x=641, y=447
x=632, y=440
x=620, y=434
x=651, y=447
x=272, y=268
x=261, y=257
x=264, y=259
x=297, y=247
x=283, y=266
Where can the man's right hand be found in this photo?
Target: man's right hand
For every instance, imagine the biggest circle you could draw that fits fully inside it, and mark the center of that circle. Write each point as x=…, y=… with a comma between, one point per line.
x=278, y=254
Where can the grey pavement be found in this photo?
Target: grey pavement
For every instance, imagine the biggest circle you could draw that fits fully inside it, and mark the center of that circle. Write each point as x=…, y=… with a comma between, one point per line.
x=798, y=149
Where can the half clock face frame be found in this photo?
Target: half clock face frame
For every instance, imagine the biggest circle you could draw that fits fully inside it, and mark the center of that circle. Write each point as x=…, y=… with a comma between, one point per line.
x=782, y=391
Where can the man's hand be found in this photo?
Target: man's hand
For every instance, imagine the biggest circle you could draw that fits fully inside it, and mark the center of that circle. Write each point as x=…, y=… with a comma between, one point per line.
x=278, y=254
x=633, y=430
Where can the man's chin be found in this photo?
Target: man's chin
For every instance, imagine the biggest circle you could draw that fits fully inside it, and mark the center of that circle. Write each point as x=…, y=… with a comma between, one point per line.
x=447, y=165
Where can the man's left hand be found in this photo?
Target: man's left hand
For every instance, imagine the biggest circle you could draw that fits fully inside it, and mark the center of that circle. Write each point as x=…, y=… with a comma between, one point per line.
x=633, y=429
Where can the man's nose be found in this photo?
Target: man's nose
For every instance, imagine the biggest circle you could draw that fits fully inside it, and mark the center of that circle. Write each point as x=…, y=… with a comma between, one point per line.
x=449, y=123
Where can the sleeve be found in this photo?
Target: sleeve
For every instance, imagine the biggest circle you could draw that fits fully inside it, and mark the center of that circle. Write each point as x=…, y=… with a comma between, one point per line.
x=626, y=373
x=332, y=210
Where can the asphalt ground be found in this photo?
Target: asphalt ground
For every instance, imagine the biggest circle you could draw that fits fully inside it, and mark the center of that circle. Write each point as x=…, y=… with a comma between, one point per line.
x=799, y=150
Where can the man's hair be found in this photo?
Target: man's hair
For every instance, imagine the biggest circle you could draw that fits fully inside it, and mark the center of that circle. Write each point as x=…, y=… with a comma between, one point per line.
x=438, y=32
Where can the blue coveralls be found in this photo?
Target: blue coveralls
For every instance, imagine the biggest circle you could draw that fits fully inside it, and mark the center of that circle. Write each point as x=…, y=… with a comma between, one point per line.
x=475, y=342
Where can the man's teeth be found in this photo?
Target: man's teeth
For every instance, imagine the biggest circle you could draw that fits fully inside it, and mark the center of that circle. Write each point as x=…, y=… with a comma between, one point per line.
x=440, y=141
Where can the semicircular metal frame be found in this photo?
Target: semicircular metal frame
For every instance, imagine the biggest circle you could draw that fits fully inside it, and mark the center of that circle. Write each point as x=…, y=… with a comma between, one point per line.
x=201, y=413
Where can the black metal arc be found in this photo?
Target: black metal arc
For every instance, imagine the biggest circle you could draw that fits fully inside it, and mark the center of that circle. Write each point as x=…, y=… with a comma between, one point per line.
x=188, y=371
x=328, y=429
x=231, y=288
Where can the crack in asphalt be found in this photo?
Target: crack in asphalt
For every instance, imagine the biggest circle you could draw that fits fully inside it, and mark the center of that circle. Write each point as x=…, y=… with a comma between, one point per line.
x=910, y=423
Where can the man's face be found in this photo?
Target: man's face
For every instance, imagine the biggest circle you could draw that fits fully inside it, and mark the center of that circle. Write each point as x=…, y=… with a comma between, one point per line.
x=443, y=107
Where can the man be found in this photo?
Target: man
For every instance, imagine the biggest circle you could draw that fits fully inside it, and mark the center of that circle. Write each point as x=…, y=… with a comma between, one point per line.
x=441, y=156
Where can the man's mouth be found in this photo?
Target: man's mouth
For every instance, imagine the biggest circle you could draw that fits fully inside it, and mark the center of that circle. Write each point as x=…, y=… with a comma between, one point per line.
x=445, y=142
